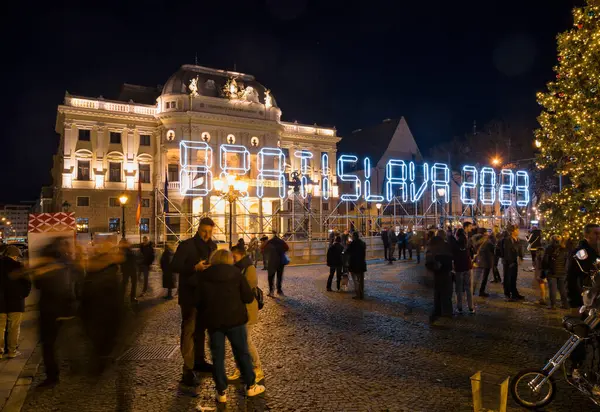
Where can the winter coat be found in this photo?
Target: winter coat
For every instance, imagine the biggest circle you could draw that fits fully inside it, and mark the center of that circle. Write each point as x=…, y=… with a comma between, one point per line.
x=147, y=254
x=129, y=265
x=393, y=239
x=357, y=251
x=334, y=255
x=385, y=238
x=535, y=239
x=576, y=277
x=462, y=257
x=249, y=271
x=554, y=261
x=168, y=277
x=221, y=297
x=439, y=259
x=13, y=291
x=512, y=250
x=485, y=253
x=401, y=238
x=253, y=245
x=189, y=253
x=275, y=249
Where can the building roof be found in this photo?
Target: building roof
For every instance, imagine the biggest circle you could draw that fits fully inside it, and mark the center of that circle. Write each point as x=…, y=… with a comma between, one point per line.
x=389, y=139
x=210, y=81
x=139, y=94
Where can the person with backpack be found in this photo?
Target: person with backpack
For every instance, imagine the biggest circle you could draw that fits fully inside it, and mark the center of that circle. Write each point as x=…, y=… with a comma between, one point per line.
x=243, y=262
x=335, y=262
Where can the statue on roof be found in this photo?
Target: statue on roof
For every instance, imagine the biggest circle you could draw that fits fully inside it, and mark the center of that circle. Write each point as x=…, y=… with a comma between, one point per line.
x=193, y=86
x=268, y=99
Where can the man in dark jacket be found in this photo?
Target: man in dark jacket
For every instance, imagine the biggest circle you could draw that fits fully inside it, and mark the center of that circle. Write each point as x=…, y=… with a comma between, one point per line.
x=386, y=242
x=13, y=291
x=191, y=258
x=357, y=264
x=146, y=260
x=581, y=263
x=275, y=249
x=534, y=241
x=513, y=253
x=335, y=262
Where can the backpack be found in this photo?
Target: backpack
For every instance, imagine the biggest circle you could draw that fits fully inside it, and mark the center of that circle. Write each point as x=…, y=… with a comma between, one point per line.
x=499, y=249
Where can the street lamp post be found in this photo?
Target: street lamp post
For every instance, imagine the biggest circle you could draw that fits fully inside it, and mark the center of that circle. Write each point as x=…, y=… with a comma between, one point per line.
x=123, y=200
x=441, y=193
x=235, y=189
x=378, y=206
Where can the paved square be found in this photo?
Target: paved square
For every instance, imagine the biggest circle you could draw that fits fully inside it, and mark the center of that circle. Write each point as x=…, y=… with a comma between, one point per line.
x=323, y=351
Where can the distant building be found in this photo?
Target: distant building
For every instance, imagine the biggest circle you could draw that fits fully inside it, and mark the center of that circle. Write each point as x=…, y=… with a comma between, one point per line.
x=18, y=216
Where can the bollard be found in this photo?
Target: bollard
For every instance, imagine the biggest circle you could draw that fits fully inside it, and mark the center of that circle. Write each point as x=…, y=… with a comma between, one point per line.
x=490, y=392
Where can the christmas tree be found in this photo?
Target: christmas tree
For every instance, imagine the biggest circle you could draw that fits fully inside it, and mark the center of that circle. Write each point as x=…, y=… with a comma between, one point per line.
x=569, y=136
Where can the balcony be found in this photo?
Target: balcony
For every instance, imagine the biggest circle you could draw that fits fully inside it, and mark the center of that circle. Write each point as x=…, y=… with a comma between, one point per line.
x=173, y=185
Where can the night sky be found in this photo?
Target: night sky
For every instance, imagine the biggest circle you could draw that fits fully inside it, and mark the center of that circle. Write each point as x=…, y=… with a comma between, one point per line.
x=441, y=64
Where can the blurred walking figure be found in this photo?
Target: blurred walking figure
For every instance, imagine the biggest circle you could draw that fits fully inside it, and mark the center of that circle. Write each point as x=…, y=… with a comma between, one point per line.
x=386, y=243
x=263, y=245
x=484, y=259
x=463, y=277
x=222, y=295
x=128, y=270
x=534, y=242
x=335, y=262
x=495, y=239
x=57, y=300
x=146, y=261
x=357, y=264
x=168, y=277
x=276, y=261
x=554, y=264
x=244, y=263
x=513, y=253
x=253, y=249
x=190, y=260
x=14, y=288
x=438, y=259
x=392, y=239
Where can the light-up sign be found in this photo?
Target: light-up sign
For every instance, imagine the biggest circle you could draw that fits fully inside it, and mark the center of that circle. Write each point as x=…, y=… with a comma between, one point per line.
x=403, y=181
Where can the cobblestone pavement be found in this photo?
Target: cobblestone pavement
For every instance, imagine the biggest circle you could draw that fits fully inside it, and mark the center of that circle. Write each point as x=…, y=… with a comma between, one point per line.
x=323, y=351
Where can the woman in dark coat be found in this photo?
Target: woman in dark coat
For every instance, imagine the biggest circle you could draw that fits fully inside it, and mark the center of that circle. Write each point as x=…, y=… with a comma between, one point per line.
x=554, y=264
x=335, y=262
x=357, y=264
x=168, y=277
x=222, y=295
x=438, y=260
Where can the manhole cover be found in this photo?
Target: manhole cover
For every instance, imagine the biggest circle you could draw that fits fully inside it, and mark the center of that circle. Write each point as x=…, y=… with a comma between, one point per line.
x=148, y=353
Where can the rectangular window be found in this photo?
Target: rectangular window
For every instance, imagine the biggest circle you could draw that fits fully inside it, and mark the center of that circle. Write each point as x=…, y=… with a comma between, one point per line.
x=144, y=225
x=83, y=170
x=145, y=173
x=114, y=172
x=114, y=224
x=83, y=225
x=145, y=202
x=173, y=173
x=115, y=138
x=325, y=206
x=113, y=202
x=84, y=135
x=83, y=201
x=145, y=140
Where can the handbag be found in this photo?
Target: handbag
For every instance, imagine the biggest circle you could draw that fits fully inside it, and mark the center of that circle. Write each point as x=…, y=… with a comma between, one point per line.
x=259, y=296
x=285, y=260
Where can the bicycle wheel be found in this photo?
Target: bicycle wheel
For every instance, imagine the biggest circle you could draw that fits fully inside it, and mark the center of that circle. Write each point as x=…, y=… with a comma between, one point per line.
x=524, y=394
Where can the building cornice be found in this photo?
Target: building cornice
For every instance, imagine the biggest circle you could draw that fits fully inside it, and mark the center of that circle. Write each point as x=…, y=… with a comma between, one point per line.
x=107, y=115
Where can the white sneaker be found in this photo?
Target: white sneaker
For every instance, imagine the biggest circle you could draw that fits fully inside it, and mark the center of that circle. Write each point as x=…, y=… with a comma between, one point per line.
x=221, y=398
x=12, y=355
x=235, y=375
x=255, y=390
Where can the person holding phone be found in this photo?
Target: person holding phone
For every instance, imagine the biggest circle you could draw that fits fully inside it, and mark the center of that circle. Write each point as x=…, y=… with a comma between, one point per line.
x=191, y=259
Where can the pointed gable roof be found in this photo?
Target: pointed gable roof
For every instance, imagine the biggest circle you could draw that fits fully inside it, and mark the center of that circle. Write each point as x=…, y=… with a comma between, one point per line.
x=390, y=139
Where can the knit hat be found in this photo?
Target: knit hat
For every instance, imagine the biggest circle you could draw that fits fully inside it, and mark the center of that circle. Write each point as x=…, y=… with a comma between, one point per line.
x=12, y=251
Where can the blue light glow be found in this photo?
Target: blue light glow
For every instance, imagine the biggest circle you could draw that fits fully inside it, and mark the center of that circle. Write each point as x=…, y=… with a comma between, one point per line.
x=276, y=173
x=242, y=153
x=195, y=178
x=416, y=195
x=440, y=179
x=505, y=191
x=522, y=188
x=368, y=196
x=325, y=171
x=304, y=156
x=395, y=174
x=487, y=189
x=469, y=186
x=348, y=177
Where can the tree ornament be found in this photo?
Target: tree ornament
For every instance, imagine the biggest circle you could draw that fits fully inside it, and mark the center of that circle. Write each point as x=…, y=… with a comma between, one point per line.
x=558, y=76
x=577, y=127
x=561, y=94
x=591, y=13
x=588, y=137
x=593, y=90
x=580, y=26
